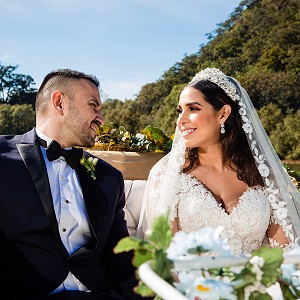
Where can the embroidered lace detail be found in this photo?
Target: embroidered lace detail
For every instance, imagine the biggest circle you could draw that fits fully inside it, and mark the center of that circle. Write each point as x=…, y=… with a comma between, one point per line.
x=285, y=247
x=246, y=226
x=276, y=198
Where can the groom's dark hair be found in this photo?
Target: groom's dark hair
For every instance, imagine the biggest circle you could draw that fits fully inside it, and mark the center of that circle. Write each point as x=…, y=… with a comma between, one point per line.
x=60, y=79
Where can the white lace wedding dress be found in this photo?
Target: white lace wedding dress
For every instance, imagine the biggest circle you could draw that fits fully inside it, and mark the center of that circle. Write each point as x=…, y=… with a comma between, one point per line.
x=195, y=207
x=245, y=227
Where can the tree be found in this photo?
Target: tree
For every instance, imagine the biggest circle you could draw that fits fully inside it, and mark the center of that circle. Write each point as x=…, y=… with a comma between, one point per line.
x=15, y=88
x=16, y=119
x=265, y=86
x=23, y=118
x=166, y=115
x=286, y=136
x=270, y=115
x=5, y=119
x=259, y=45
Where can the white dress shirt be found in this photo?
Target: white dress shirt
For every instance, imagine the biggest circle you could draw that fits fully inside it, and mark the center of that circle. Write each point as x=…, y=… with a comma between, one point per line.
x=69, y=210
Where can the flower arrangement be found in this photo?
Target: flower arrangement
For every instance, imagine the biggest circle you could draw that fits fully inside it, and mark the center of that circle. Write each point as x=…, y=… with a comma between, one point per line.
x=112, y=138
x=191, y=263
x=295, y=175
x=90, y=164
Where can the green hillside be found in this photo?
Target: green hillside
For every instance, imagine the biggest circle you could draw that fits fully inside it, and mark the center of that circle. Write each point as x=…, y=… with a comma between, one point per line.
x=259, y=46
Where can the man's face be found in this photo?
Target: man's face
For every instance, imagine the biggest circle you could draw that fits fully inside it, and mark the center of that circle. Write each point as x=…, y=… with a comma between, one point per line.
x=83, y=115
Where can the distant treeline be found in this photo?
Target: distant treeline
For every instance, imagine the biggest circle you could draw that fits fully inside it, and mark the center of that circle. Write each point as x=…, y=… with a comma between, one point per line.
x=259, y=45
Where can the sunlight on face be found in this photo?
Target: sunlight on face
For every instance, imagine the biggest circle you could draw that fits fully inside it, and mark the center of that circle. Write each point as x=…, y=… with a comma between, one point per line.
x=198, y=121
x=83, y=115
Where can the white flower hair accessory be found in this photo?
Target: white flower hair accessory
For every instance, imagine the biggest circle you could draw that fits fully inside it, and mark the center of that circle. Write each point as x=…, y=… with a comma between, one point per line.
x=219, y=78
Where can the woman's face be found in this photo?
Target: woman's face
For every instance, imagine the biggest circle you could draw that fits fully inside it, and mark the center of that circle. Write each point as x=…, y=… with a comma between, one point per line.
x=198, y=121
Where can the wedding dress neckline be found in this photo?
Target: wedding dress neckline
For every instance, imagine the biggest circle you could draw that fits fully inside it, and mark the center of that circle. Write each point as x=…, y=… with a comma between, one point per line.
x=244, y=228
x=215, y=201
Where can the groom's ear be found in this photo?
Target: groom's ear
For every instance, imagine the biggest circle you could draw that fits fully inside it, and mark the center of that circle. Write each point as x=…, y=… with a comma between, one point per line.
x=57, y=101
x=225, y=111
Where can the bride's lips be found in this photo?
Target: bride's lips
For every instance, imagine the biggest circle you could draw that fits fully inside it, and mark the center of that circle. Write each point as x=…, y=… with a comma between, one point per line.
x=186, y=132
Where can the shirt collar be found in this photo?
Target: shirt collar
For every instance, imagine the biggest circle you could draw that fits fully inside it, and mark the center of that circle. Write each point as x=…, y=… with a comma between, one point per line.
x=46, y=138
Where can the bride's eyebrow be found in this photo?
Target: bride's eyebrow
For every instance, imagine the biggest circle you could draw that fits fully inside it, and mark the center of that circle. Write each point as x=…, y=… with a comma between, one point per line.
x=193, y=103
x=190, y=104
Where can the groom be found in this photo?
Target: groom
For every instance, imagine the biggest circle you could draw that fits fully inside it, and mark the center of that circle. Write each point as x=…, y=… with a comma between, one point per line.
x=59, y=224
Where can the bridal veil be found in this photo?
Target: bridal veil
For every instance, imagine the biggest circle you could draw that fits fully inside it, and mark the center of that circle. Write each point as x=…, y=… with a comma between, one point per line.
x=163, y=183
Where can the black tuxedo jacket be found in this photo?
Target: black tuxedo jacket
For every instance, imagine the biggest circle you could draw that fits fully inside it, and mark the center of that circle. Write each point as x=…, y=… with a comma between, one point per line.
x=33, y=259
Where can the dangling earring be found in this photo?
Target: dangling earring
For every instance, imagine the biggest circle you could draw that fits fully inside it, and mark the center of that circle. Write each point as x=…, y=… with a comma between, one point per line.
x=222, y=128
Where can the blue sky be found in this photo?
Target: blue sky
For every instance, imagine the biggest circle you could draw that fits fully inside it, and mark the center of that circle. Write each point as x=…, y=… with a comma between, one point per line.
x=125, y=43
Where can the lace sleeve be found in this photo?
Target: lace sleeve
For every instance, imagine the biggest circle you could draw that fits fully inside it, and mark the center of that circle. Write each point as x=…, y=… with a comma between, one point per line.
x=277, y=237
x=280, y=227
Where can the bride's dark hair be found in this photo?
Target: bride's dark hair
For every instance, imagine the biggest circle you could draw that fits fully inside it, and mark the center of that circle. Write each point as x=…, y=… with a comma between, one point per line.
x=236, y=152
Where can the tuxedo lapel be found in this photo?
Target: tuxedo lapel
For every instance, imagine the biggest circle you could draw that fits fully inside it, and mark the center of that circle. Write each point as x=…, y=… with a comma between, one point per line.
x=34, y=162
x=88, y=186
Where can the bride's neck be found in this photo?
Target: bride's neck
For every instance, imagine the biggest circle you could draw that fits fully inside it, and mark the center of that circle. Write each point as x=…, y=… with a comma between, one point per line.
x=211, y=157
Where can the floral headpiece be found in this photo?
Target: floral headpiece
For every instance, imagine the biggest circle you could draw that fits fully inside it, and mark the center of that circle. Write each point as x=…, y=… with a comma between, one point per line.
x=220, y=79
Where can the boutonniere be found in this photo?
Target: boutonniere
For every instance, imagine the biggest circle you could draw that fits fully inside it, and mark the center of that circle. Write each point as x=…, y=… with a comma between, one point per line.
x=90, y=165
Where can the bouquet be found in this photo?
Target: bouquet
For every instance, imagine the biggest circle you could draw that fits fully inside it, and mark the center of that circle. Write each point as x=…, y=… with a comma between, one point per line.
x=200, y=265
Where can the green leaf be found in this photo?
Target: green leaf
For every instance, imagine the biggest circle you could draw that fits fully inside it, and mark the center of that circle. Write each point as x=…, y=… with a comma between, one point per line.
x=259, y=296
x=143, y=290
x=245, y=278
x=157, y=134
x=169, y=145
x=107, y=127
x=161, y=235
x=273, y=259
x=141, y=256
x=162, y=265
x=240, y=294
x=122, y=129
x=154, y=132
x=148, y=128
x=289, y=293
x=126, y=244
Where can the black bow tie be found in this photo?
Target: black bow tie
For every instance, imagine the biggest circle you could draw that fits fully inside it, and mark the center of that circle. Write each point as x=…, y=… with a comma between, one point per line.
x=54, y=151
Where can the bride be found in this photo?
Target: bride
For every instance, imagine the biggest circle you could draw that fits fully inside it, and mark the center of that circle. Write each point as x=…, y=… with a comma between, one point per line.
x=223, y=170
